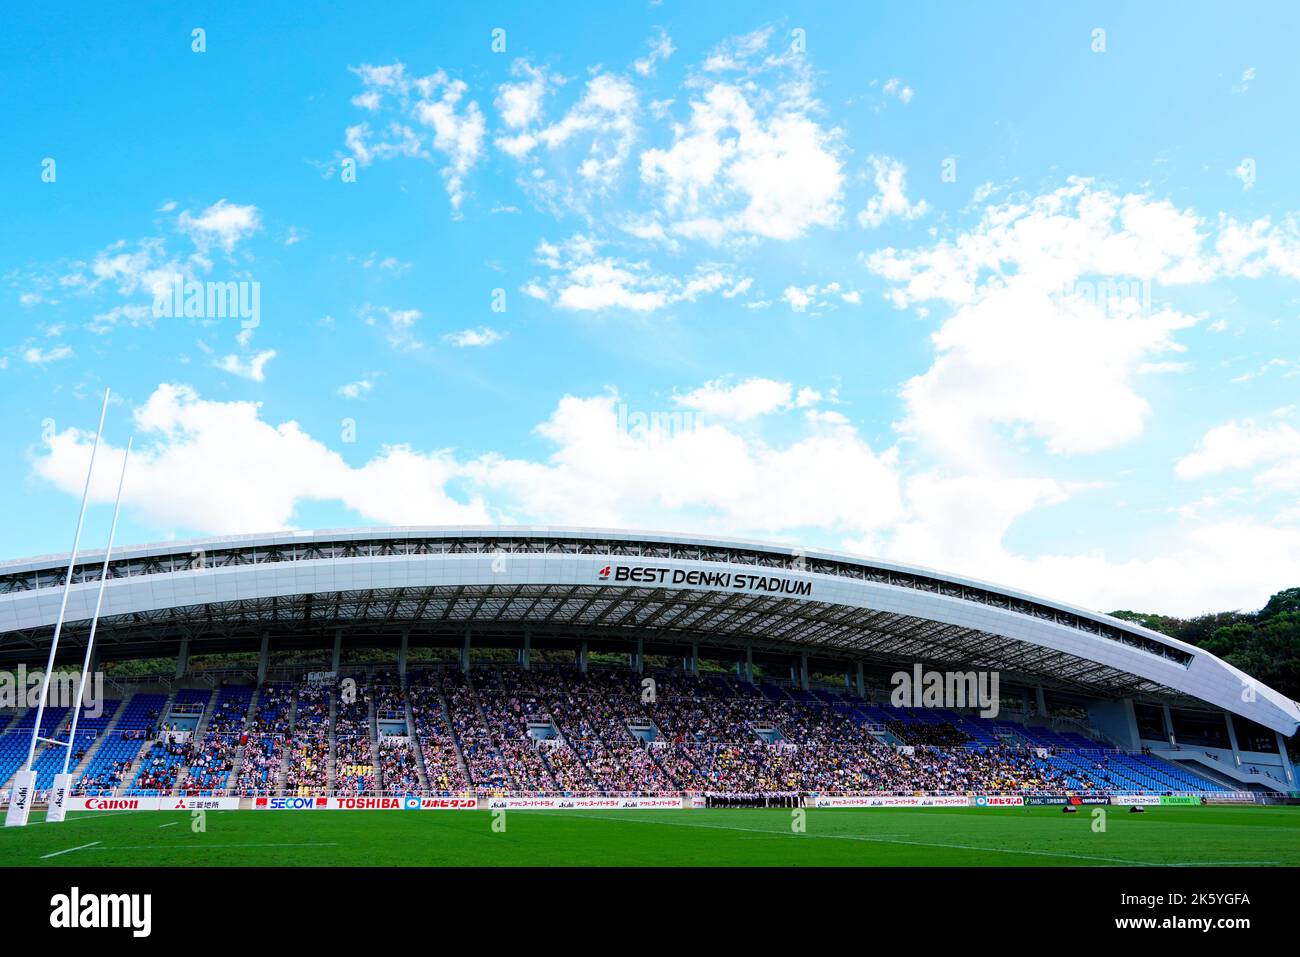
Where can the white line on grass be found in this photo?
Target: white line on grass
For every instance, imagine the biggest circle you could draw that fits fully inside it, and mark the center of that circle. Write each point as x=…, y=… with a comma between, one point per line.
x=201, y=846
x=885, y=840
x=80, y=847
x=169, y=824
x=89, y=816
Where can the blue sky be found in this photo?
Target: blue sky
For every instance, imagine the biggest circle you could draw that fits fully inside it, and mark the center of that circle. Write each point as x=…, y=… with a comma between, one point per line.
x=1011, y=292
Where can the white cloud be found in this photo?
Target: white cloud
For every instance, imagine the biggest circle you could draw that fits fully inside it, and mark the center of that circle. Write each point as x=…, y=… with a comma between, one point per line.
x=1052, y=314
x=803, y=298
x=131, y=270
x=482, y=336
x=897, y=88
x=222, y=224
x=705, y=478
x=752, y=160
x=661, y=48
x=891, y=184
x=355, y=390
x=578, y=157
x=519, y=104
x=1245, y=172
x=798, y=298
x=605, y=116
x=741, y=402
x=738, y=53
x=192, y=461
x=134, y=315
x=399, y=324
x=436, y=102
x=34, y=355
x=1243, y=444
x=195, y=456
x=586, y=280
x=959, y=525
x=246, y=367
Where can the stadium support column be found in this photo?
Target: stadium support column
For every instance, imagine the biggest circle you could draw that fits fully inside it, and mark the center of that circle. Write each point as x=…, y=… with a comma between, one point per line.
x=1040, y=701
x=1287, y=769
x=402, y=651
x=639, y=665
x=183, y=658
x=338, y=650
x=1169, y=725
x=695, y=658
x=526, y=652
x=464, y=654
x=862, y=685
x=749, y=664
x=263, y=658
x=582, y=657
x=1232, y=739
x=803, y=670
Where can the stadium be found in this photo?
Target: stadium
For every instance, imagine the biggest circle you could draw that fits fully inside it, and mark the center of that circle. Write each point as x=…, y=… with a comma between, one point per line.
x=601, y=679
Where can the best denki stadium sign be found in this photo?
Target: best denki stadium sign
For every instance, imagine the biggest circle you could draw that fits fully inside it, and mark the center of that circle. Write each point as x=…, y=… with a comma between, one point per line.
x=698, y=578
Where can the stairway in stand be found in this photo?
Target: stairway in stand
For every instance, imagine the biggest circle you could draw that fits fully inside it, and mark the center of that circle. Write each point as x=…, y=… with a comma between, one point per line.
x=237, y=762
x=128, y=777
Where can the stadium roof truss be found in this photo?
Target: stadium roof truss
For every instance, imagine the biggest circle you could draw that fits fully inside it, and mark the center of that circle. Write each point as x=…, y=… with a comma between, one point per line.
x=556, y=584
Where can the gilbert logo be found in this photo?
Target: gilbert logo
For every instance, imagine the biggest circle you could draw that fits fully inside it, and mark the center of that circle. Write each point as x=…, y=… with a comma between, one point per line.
x=604, y=573
x=77, y=910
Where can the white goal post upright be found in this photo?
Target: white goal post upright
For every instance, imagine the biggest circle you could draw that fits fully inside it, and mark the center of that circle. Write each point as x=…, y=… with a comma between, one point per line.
x=22, y=790
x=63, y=782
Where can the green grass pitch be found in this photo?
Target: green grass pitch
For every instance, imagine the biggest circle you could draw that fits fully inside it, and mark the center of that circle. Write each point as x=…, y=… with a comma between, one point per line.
x=885, y=837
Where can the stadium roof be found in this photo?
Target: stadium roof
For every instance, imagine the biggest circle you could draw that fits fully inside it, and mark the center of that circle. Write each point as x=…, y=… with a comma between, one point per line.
x=611, y=586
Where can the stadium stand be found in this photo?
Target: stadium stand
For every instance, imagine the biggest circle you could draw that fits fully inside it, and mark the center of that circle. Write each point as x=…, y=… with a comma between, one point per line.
x=15, y=742
x=49, y=761
x=563, y=730
x=109, y=763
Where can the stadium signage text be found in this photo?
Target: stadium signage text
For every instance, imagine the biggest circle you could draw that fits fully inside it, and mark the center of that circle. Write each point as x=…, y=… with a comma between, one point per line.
x=1135, y=800
x=288, y=803
x=889, y=800
x=697, y=578
x=199, y=804
x=581, y=803
x=111, y=804
x=409, y=803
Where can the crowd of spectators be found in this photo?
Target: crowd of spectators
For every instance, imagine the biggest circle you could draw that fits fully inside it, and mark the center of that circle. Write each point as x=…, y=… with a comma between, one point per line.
x=398, y=767
x=433, y=732
x=309, y=748
x=612, y=731
x=159, y=768
x=209, y=763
